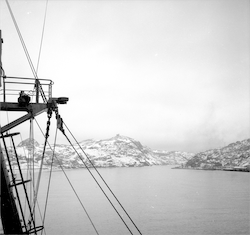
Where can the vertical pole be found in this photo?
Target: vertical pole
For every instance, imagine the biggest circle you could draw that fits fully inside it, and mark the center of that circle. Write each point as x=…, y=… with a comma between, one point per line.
x=50, y=90
x=4, y=95
x=37, y=91
x=1, y=41
x=1, y=74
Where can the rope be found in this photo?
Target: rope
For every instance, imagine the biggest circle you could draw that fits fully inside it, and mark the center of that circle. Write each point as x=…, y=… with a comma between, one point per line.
x=21, y=39
x=99, y=185
x=40, y=49
x=71, y=185
x=49, y=113
x=25, y=50
x=104, y=181
x=29, y=166
x=29, y=169
x=50, y=174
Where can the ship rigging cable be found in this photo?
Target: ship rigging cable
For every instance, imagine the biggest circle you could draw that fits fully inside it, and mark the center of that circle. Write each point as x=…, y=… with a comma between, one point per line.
x=103, y=182
x=85, y=210
x=30, y=173
x=60, y=127
x=49, y=113
x=62, y=130
x=31, y=156
x=41, y=43
x=99, y=185
x=32, y=187
x=21, y=39
x=48, y=188
x=26, y=50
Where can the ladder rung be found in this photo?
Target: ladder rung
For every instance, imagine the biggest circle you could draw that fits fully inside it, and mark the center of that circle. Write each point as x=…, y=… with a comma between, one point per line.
x=23, y=182
x=9, y=135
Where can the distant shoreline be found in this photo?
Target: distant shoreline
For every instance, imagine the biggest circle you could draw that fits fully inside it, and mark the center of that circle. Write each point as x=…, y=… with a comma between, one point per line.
x=237, y=169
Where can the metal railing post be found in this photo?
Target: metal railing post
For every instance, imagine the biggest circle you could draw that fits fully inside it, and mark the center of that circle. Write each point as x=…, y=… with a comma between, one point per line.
x=50, y=90
x=15, y=84
x=4, y=94
x=37, y=90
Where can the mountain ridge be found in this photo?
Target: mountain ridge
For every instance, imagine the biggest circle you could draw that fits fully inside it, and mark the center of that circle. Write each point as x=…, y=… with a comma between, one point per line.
x=123, y=151
x=236, y=154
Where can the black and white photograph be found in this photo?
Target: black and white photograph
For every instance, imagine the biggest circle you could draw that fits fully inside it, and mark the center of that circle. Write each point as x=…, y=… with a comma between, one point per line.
x=125, y=117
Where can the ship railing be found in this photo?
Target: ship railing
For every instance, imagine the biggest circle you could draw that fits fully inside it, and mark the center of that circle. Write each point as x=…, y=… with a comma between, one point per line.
x=35, y=88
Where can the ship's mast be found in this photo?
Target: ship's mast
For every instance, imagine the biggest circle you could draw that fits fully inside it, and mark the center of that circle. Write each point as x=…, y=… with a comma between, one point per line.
x=12, y=215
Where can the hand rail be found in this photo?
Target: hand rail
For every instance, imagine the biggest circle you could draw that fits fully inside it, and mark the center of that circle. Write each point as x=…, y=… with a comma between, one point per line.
x=14, y=85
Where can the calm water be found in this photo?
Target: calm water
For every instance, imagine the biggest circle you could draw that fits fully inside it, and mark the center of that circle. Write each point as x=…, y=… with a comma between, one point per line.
x=159, y=199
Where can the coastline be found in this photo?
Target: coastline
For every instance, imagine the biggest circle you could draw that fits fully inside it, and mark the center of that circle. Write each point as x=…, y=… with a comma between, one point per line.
x=236, y=168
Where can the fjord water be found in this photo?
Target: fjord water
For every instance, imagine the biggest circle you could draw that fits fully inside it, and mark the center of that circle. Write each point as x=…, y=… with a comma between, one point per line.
x=159, y=199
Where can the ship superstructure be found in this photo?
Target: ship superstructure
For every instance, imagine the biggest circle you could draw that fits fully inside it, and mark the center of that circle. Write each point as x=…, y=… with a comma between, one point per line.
x=12, y=212
x=31, y=97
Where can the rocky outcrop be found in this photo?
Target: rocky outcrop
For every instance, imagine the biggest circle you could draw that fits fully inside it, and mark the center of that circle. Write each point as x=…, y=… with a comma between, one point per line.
x=234, y=155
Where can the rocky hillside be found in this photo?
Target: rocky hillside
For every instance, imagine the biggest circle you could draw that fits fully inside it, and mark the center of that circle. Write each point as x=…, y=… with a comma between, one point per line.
x=122, y=151
x=173, y=157
x=234, y=155
x=118, y=151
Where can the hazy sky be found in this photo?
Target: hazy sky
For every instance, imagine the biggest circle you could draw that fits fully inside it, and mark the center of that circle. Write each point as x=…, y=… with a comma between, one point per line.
x=172, y=74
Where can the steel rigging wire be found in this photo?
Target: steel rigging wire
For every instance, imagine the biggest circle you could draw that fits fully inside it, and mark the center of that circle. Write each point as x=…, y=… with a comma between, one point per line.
x=85, y=210
x=29, y=164
x=103, y=182
x=41, y=43
x=62, y=130
x=35, y=75
x=48, y=188
x=45, y=100
x=25, y=50
x=41, y=90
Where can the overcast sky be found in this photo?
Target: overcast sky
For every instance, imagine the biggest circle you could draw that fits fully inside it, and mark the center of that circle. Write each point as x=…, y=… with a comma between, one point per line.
x=174, y=75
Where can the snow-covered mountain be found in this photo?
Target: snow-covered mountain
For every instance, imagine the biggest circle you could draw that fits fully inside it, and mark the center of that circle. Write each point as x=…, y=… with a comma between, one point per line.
x=122, y=151
x=173, y=157
x=234, y=155
x=118, y=151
